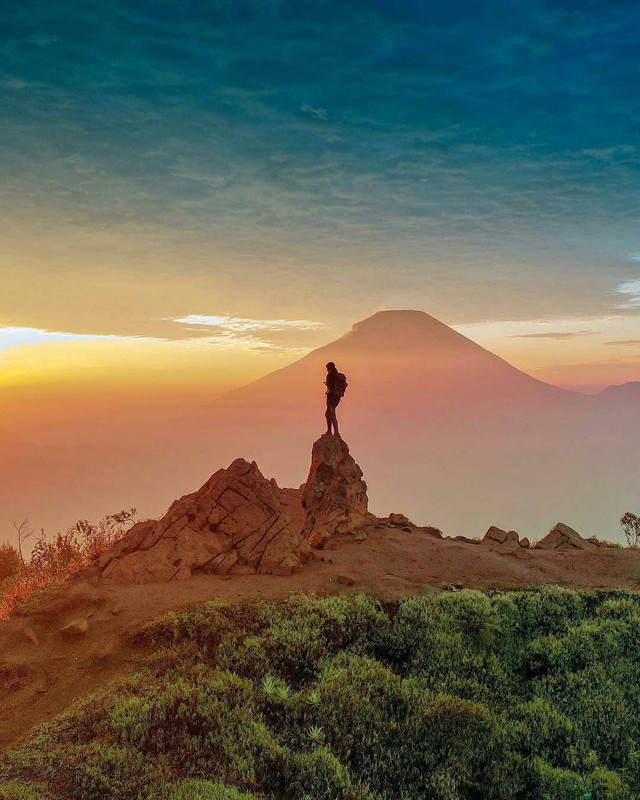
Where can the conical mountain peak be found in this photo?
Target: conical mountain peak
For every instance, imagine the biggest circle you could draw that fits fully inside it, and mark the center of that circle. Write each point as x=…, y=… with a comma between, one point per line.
x=406, y=330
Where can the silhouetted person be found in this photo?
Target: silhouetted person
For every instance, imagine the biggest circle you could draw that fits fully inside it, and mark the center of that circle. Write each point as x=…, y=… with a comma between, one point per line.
x=336, y=384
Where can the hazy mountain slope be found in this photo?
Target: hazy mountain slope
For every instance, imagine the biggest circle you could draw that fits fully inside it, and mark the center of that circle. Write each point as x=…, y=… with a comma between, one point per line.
x=444, y=430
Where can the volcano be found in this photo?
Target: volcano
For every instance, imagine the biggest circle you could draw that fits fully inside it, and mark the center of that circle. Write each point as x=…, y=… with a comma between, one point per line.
x=444, y=429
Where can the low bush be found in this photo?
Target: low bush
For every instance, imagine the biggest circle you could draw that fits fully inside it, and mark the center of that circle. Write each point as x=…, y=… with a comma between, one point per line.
x=53, y=560
x=531, y=695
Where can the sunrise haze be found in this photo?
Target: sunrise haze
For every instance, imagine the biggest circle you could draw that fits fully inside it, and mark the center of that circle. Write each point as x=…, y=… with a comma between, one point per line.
x=198, y=198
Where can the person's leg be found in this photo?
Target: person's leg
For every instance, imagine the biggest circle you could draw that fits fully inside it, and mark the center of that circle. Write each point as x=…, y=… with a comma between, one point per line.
x=334, y=419
x=329, y=417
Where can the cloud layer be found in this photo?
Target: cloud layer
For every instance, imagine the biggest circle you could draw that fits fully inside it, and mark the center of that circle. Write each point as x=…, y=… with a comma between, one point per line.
x=270, y=160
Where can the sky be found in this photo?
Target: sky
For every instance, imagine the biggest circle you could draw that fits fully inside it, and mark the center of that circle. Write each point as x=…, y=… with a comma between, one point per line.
x=194, y=194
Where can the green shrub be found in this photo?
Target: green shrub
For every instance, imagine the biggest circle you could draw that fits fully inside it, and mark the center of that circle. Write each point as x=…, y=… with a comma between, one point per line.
x=17, y=790
x=206, y=790
x=512, y=696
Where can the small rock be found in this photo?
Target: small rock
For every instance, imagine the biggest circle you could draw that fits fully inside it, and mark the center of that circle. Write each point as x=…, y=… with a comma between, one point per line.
x=360, y=536
x=320, y=539
x=345, y=580
x=399, y=519
x=524, y=542
x=287, y=566
x=75, y=629
x=563, y=537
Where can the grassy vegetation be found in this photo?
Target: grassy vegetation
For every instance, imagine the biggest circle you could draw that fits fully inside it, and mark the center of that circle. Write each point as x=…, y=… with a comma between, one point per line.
x=53, y=560
x=528, y=695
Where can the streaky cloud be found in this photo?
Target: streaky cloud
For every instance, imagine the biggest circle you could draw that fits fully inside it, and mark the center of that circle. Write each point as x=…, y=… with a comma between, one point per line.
x=551, y=335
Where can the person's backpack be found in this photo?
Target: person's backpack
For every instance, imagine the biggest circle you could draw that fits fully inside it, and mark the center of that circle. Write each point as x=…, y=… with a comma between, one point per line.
x=340, y=384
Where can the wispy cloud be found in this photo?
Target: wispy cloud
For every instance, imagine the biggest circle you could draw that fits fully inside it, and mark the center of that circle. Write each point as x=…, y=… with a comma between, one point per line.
x=551, y=335
x=242, y=325
x=631, y=289
x=16, y=337
x=316, y=113
x=252, y=334
x=624, y=342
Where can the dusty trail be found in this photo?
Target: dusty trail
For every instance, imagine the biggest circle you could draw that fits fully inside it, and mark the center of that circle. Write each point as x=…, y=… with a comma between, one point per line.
x=43, y=671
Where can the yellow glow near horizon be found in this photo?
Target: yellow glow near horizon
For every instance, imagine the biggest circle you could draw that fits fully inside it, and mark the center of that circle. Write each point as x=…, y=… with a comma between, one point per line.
x=572, y=352
x=134, y=361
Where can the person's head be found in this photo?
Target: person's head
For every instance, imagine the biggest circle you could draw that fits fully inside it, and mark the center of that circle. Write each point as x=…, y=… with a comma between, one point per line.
x=331, y=367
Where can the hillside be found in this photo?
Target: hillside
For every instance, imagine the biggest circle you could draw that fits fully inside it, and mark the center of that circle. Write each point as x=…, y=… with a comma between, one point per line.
x=516, y=696
x=43, y=670
x=240, y=537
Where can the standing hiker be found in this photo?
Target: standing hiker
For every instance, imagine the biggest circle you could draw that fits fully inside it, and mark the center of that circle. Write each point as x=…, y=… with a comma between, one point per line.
x=336, y=384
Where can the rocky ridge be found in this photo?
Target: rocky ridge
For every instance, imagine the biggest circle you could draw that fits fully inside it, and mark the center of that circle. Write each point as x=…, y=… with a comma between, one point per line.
x=562, y=537
x=234, y=523
x=239, y=522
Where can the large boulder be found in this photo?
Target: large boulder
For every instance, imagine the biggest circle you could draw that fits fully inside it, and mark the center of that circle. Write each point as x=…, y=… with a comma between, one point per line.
x=562, y=537
x=497, y=536
x=335, y=496
x=234, y=523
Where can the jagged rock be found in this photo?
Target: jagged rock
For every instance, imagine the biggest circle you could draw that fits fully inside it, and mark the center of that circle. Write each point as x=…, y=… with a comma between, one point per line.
x=235, y=519
x=498, y=536
x=562, y=537
x=399, y=519
x=75, y=629
x=494, y=535
x=464, y=539
x=335, y=496
x=524, y=542
x=128, y=544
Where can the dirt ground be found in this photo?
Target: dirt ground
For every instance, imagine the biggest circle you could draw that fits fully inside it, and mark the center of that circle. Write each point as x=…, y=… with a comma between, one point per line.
x=42, y=670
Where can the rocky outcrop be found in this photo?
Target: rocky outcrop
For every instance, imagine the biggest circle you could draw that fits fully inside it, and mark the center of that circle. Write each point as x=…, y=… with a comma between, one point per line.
x=335, y=496
x=234, y=523
x=400, y=520
x=496, y=536
x=431, y=531
x=562, y=537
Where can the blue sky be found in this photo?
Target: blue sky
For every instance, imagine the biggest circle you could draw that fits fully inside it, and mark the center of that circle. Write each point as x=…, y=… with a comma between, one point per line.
x=317, y=160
